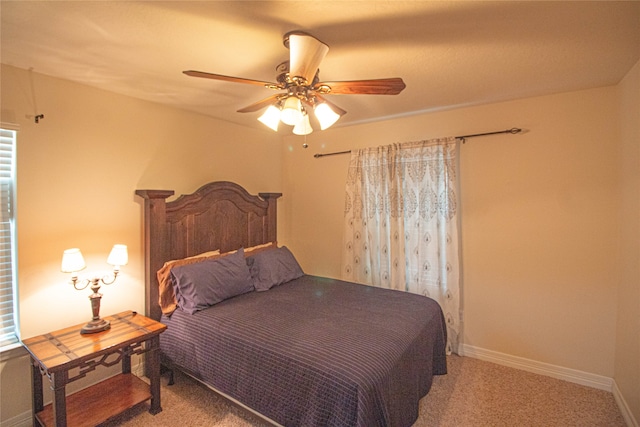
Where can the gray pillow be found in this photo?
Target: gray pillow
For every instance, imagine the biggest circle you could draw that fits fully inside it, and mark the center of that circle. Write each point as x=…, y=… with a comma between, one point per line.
x=203, y=284
x=273, y=267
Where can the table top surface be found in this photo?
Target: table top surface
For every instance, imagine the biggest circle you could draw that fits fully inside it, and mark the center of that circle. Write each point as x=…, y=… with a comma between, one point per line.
x=67, y=347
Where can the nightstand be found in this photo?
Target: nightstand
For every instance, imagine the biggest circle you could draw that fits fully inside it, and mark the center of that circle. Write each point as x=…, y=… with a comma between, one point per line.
x=66, y=355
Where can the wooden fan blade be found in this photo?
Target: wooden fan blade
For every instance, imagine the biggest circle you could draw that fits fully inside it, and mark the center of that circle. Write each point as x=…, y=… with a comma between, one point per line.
x=392, y=86
x=260, y=104
x=333, y=106
x=306, y=54
x=202, y=74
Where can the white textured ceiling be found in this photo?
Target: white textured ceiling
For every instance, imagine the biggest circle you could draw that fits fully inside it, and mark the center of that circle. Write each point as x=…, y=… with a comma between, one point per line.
x=450, y=54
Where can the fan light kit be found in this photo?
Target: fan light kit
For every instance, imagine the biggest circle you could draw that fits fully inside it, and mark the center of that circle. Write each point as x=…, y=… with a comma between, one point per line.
x=304, y=93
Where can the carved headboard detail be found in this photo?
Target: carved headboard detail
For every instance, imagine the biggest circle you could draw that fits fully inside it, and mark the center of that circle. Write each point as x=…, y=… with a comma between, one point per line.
x=219, y=215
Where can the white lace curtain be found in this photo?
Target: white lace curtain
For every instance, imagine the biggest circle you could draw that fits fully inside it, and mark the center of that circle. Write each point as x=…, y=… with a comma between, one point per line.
x=401, y=222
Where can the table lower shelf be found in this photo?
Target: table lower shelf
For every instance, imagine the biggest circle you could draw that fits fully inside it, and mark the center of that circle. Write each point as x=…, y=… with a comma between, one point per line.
x=98, y=403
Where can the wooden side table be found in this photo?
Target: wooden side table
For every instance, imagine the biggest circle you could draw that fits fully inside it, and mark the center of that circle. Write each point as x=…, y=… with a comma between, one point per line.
x=57, y=353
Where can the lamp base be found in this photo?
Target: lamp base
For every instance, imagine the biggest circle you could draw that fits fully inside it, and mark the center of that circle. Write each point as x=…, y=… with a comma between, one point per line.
x=95, y=326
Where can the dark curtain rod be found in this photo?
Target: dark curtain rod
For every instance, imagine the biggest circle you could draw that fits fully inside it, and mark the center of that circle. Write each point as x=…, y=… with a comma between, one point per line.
x=463, y=137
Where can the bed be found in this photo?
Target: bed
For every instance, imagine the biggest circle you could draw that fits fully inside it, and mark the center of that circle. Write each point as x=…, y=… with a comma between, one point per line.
x=245, y=320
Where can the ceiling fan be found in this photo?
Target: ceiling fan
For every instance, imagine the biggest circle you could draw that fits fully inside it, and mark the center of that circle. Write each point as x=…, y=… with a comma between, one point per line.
x=303, y=90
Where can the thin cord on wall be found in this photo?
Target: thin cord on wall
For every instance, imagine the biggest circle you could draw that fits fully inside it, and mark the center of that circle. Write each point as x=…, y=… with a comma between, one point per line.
x=37, y=116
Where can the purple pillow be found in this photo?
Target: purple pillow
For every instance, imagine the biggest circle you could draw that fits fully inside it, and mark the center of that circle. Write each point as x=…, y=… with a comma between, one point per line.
x=203, y=284
x=273, y=267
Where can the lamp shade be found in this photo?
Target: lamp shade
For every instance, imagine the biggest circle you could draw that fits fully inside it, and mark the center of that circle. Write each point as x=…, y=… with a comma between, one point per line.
x=72, y=261
x=291, y=111
x=118, y=256
x=271, y=117
x=303, y=127
x=325, y=115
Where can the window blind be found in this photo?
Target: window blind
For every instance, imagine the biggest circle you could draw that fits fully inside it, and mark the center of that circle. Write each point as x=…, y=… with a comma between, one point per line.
x=8, y=333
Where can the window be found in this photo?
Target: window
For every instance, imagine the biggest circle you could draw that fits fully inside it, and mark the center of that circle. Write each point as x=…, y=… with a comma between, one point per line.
x=8, y=303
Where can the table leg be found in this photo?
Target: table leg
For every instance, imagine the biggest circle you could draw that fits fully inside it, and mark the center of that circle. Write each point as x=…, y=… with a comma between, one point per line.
x=126, y=360
x=36, y=395
x=153, y=370
x=59, y=384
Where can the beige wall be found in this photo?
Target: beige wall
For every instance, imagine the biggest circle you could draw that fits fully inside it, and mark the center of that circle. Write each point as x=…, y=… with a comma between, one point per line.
x=539, y=220
x=77, y=173
x=627, y=362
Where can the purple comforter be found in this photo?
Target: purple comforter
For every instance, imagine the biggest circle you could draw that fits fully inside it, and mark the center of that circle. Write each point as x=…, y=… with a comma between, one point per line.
x=315, y=352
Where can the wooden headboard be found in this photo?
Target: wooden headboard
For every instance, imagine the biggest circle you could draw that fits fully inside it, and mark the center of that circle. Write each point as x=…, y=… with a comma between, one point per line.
x=219, y=215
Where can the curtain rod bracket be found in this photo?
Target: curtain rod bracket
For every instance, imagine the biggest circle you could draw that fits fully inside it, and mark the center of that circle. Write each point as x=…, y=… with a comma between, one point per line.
x=512, y=131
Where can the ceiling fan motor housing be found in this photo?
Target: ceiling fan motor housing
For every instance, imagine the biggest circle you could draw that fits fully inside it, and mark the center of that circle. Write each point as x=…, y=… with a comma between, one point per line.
x=285, y=79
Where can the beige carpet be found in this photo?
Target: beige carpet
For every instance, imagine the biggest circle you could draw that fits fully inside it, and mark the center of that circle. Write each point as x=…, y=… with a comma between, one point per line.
x=473, y=393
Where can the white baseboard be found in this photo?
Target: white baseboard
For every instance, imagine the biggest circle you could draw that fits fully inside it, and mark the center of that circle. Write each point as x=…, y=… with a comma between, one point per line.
x=572, y=375
x=624, y=407
x=22, y=420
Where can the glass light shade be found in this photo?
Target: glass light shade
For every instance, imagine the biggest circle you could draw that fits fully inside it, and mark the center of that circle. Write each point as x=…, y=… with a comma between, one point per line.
x=303, y=127
x=118, y=256
x=325, y=115
x=72, y=261
x=271, y=117
x=291, y=111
